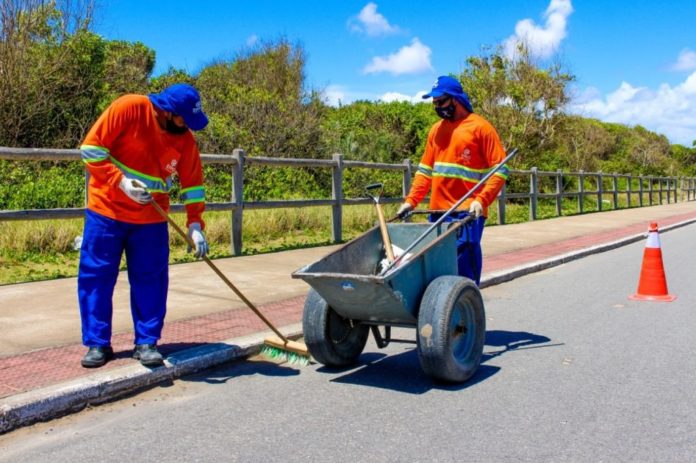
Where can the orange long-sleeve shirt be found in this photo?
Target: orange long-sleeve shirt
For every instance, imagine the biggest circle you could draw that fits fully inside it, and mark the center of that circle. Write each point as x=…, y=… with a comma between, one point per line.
x=127, y=140
x=457, y=156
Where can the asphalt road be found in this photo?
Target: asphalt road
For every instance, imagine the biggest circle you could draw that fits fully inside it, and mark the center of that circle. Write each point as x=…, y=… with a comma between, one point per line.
x=573, y=371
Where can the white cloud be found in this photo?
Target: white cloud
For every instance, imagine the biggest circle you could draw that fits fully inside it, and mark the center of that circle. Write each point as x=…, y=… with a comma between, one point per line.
x=670, y=111
x=686, y=61
x=370, y=22
x=335, y=95
x=543, y=41
x=410, y=59
x=395, y=96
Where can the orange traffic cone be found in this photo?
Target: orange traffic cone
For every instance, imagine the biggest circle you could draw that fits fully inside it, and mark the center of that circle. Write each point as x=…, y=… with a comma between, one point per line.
x=652, y=285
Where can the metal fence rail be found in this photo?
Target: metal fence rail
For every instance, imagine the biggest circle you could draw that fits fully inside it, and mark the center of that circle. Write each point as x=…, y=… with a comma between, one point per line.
x=552, y=186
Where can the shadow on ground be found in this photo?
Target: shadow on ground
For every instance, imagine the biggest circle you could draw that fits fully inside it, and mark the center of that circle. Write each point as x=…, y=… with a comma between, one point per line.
x=402, y=372
x=507, y=341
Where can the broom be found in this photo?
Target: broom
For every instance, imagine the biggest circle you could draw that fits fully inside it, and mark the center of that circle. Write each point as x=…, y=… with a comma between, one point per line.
x=277, y=347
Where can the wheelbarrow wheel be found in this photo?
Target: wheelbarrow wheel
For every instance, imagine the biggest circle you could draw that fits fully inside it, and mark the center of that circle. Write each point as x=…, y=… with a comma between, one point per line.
x=331, y=339
x=451, y=329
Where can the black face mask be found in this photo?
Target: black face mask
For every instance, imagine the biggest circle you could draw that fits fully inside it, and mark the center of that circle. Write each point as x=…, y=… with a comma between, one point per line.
x=171, y=127
x=446, y=112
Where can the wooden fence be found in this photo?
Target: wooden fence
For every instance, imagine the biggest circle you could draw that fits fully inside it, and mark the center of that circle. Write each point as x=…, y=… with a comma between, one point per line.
x=638, y=190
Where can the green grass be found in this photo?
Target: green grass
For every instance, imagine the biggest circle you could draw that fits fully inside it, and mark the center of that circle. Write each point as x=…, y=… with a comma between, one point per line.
x=42, y=250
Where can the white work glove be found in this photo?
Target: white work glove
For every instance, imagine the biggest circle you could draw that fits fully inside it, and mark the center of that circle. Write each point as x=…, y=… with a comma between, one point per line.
x=404, y=209
x=476, y=209
x=196, y=235
x=135, y=190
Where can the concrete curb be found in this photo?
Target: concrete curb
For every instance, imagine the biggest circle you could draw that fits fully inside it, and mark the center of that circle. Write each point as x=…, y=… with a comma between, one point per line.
x=69, y=397
x=72, y=396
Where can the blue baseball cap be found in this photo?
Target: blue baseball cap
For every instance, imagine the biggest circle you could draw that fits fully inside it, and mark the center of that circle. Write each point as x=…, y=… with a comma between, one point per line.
x=446, y=85
x=182, y=100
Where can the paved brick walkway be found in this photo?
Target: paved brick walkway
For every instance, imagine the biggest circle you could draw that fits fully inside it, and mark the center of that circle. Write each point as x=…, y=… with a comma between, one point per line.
x=45, y=367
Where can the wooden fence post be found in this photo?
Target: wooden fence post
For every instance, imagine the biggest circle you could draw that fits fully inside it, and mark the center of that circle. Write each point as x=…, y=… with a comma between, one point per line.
x=629, y=188
x=640, y=190
x=581, y=191
x=559, y=192
x=600, y=190
x=650, y=193
x=406, y=182
x=533, y=193
x=501, y=204
x=238, y=200
x=672, y=187
x=661, y=182
x=337, y=196
x=615, y=193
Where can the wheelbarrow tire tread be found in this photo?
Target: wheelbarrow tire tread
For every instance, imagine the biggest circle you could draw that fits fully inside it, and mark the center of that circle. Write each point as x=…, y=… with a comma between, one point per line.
x=446, y=352
x=331, y=339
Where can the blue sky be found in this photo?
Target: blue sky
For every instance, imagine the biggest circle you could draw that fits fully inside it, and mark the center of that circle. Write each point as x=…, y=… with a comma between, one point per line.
x=634, y=61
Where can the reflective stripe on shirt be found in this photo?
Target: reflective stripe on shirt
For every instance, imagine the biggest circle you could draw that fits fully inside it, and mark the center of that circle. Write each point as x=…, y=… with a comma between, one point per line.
x=194, y=194
x=91, y=153
x=449, y=170
x=153, y=184
x=425, y=170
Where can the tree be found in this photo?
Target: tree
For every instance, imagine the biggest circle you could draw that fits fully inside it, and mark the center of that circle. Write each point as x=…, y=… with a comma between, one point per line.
x=57, y=75
x=583, y=144
x=258, y=101
x=522, y=100
x=39, y=55
x=127, y=69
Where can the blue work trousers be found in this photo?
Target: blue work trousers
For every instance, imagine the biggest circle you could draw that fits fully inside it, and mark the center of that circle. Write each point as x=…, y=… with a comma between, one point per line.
x=147, y=259
x=469, y=254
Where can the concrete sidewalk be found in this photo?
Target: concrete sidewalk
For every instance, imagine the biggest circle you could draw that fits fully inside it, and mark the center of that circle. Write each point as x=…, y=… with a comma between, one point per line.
x=40, y=372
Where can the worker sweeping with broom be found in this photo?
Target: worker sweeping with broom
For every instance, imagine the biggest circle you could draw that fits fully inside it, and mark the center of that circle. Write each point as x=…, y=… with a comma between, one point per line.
x=132, y=153
x=461, y=149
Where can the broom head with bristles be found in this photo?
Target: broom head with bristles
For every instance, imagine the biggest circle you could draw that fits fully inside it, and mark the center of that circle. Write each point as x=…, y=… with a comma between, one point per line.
x=290, y=351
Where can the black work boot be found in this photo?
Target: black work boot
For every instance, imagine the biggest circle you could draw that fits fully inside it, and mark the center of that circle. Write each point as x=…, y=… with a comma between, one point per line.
x=97, y=356
x=148, y=355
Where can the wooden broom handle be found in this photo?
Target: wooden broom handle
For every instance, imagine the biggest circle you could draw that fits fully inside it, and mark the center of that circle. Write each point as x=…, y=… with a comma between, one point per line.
x=385, y=233
x=222, y=276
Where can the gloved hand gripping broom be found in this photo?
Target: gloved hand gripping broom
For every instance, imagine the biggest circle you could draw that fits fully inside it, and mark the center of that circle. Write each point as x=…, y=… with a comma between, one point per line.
x=275, y=346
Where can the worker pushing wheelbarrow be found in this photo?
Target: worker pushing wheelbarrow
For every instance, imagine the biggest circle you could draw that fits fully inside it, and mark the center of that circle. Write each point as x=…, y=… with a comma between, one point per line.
x=402, y=275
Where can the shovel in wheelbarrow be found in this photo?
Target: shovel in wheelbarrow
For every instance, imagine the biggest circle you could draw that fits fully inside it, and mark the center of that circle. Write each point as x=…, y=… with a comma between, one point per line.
x=374, y=191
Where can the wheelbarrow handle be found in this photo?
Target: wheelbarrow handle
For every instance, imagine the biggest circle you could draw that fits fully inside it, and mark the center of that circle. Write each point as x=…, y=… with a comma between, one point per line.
x=418, y=211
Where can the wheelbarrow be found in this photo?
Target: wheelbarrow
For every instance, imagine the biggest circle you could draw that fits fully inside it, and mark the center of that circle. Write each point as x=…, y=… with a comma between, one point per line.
x=347, y=299
x=351, y=295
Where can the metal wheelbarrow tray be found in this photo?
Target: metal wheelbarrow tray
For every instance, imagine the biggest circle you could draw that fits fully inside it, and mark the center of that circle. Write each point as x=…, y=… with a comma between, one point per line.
x=349, y=298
